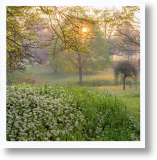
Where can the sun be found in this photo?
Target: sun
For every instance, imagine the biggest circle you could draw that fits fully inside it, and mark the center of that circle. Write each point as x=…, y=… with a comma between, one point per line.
x=84, y=29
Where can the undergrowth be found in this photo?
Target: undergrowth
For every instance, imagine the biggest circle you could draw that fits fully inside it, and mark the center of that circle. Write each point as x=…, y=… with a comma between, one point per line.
x=67, y=113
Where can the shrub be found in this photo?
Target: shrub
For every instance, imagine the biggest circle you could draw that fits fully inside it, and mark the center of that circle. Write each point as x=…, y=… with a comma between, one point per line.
x=56, y=113
x=127, y=69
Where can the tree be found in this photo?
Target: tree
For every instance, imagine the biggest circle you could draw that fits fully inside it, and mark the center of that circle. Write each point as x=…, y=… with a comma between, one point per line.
x=100, y=58
x=65, y=25
x=127, y=69
x=97, y=59
x=71, y=32
x=115, y=23
x=56, y=60
x=126, y=40
x=110, y=19
x=22, y=37
x=25, y=25
x=131, y=36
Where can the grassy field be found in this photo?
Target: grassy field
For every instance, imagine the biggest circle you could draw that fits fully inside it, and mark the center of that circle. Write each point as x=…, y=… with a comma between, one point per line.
x=45, y=74
x=131, y=97
x=87, y=99
x=67, y=113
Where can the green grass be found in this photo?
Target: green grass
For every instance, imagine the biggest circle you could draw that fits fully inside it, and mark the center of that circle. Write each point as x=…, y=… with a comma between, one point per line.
x=132, y=102
x=71, y=113
x=130, y=97
x=45, y=74
x=86, y=99
x=103, y=80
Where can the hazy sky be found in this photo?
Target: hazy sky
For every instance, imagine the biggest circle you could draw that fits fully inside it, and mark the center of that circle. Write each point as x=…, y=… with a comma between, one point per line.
x=118, y=7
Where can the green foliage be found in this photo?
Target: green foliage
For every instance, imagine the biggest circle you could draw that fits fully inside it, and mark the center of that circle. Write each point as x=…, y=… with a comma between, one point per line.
x=132, y=101
x=21, y=36
x=100, y=58
x=133, y=95
x=56, y=113
x=114, y=23
x=127, y=69
x=114, y=17
x=56, y=60
x=61, y=28
x=97, y=59
x=65, y=24
x=96, y=83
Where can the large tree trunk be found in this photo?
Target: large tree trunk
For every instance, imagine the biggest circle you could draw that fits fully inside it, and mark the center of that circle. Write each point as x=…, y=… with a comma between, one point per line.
x=80, y=67
x=128, y=56
x=124, y=83
x=80, y=74
x=55, y=70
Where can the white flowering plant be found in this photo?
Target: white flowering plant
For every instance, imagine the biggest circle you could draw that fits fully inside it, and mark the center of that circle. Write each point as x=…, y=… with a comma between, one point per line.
x=59, y=113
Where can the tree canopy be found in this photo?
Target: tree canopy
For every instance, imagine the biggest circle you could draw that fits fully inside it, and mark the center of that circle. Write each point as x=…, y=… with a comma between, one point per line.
x=116, y=24
x=66, y=28
x=127, y=69
x=22, y=36
x=25, y=23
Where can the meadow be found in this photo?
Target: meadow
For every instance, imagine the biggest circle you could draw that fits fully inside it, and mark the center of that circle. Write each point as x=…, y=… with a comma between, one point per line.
x=42, y=106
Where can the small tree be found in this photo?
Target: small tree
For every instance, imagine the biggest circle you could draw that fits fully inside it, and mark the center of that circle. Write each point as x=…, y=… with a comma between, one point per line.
x=127, y=69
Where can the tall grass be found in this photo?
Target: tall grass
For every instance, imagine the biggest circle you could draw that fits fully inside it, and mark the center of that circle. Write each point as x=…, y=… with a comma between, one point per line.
x=67, y=113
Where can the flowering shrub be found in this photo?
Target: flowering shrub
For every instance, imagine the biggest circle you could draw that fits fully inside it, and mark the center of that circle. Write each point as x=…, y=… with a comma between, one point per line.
x=65, y=114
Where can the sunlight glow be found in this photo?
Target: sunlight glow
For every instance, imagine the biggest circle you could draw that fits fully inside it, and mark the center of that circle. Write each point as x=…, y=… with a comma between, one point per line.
x=84, y=29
